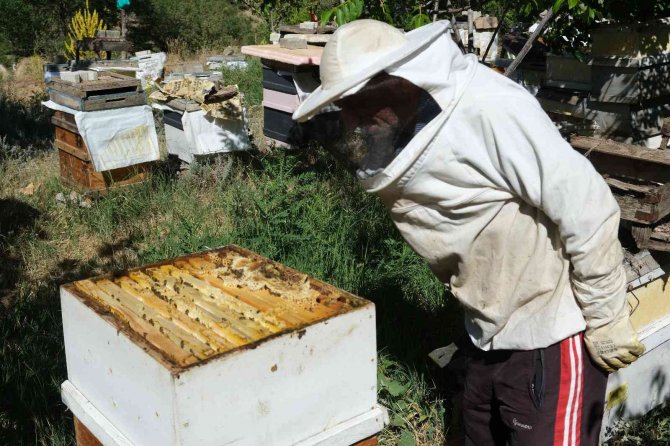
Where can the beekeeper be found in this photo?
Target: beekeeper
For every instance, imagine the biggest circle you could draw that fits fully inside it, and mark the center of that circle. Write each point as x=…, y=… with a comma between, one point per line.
x=518, y=225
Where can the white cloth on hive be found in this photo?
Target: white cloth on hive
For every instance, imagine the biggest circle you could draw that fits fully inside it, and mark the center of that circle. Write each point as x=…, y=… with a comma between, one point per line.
x=116, y=138
x=212, y=135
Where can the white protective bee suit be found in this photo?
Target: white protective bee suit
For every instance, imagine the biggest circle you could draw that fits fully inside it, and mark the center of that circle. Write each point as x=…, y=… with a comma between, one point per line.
x=519, y=225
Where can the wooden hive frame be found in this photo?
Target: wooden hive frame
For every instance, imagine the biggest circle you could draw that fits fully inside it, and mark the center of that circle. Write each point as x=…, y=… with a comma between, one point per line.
x=198, y=307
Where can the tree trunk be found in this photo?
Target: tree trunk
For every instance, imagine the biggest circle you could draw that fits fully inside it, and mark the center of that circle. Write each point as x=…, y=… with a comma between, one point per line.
x=549, y=13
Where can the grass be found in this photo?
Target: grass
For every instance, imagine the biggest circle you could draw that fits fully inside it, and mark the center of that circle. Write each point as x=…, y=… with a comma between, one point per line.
x=298, y=208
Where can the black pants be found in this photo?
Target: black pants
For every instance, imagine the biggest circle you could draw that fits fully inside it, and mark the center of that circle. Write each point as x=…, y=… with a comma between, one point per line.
x=553, y=396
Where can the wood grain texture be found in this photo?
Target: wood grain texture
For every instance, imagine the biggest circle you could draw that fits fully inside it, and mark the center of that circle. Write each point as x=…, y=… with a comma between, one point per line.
x=83, y=436
x=194, y=308
x=620, y=150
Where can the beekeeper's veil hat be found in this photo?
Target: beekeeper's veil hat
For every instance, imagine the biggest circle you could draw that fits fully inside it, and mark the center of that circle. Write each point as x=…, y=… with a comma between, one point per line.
x=356, y=53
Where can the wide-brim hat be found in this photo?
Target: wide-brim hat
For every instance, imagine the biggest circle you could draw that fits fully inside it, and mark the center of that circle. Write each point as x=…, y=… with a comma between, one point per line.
x=357, y=52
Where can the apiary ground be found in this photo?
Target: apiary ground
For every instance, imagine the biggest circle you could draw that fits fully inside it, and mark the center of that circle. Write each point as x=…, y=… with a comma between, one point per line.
x=196, y=307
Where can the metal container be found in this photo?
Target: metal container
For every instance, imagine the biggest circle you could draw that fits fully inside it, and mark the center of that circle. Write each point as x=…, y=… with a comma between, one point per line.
x=221, y=347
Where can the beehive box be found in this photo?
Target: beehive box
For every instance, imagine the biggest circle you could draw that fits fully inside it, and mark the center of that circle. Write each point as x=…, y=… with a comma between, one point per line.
x=76, y=167
x=644, y=385
x=221, y=347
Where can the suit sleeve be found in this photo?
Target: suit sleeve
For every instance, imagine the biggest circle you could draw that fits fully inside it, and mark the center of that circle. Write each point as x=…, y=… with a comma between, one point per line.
x=533, y=161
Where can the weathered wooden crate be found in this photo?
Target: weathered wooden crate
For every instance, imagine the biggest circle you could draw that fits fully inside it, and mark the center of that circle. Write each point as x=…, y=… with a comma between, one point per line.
x=76, y=168
x=216, y=348
x=110, y=91
x=640, y=182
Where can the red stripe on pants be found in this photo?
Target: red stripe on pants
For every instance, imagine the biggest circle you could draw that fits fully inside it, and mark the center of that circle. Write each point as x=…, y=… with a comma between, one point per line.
x=566, y=386
x=579, y=342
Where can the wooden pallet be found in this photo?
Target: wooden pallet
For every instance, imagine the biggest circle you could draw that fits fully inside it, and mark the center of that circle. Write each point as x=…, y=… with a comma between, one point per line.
x=76, y=167
x=111, y=90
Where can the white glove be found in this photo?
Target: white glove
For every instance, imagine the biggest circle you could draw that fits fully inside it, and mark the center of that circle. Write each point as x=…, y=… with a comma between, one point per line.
x=614, y=345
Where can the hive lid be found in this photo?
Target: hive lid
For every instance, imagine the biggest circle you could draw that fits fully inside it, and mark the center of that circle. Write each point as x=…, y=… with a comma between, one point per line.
x=193, y=308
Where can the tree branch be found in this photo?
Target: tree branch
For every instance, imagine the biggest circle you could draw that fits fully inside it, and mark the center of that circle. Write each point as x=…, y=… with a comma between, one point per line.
x=548, y=15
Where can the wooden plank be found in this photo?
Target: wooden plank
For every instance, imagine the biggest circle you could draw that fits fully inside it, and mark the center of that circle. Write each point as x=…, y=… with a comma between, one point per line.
x=309, y=56
x=661, y=199
x=108, y=81
x=70, y=138
x=81, y=153
x=633, y=209
x=86, y=438
x=58, y=122
x=114, y=101
x=655, y=245
x=83, y=436
x=620, y=150
x=65, y=98
x=80, y=173
x=607, y=164
x=65, y=87
x=628, y=187
x=371, y=441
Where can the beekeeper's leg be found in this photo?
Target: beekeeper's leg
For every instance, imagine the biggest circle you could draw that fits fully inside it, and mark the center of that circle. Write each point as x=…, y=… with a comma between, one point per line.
x=481, y=415
x=552, y=396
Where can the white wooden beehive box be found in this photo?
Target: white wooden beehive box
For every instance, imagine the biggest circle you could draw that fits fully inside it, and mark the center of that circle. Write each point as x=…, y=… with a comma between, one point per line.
x=645, y=384
x=220, y=348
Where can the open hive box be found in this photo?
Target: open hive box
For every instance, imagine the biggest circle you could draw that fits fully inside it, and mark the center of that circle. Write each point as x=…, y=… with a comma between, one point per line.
x=219, y=347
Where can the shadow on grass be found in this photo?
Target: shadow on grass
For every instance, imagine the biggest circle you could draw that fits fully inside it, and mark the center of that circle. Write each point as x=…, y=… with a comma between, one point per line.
x=32, y=351
x=25, y=127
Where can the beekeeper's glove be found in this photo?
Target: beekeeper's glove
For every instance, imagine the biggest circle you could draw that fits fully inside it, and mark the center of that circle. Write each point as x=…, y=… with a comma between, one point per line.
x=614, y=345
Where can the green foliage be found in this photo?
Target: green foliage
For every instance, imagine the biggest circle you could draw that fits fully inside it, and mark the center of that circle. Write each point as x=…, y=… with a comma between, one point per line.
x=247, y=80
x=416, y=413
x=40, y=26
x=198, y=23
x=344, y=13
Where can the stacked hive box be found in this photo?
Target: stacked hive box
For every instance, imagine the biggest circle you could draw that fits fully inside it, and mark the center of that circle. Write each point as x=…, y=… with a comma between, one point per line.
x=623, y=92
x=631, y=78
x=76, y=168
x=280, y=100
x=218, y=348
x=103, y=92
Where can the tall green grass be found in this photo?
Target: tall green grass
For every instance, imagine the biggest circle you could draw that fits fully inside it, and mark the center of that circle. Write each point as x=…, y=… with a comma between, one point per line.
x=296, y=208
